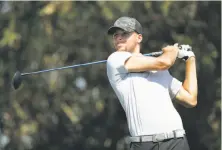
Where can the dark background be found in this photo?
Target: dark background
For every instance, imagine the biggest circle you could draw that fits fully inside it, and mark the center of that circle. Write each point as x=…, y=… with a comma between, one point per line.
x=76, y=109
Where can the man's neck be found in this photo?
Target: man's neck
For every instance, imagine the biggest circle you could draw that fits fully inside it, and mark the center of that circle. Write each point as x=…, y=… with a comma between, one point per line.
x=136, y=50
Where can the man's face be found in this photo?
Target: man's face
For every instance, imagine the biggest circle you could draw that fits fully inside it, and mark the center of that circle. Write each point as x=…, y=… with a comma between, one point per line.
x=125, y=41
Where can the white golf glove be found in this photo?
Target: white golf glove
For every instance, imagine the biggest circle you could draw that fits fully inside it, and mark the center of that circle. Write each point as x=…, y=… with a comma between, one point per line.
x=185, y=52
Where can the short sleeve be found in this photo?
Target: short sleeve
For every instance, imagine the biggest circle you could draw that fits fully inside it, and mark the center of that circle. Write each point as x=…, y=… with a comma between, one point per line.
x=174, y=86
x=116, y=70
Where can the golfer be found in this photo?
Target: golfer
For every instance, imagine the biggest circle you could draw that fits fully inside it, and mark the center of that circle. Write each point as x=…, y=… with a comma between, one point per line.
x=146, y=89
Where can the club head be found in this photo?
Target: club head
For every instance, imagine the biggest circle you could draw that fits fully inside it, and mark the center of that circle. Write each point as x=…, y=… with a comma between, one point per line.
x=16, y=80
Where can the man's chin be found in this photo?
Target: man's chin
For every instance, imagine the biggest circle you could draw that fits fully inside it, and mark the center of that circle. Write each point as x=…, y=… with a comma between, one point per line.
x=120, y=49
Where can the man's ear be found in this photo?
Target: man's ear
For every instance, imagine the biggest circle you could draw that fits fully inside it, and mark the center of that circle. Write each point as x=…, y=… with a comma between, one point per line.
x=139, y=38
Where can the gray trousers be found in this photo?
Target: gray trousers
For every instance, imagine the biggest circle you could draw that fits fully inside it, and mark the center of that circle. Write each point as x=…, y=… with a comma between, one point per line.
x=171, y=144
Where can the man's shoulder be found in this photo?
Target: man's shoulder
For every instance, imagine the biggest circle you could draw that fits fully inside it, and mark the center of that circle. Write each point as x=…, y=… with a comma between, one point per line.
x=118, y=54
x=111, y=55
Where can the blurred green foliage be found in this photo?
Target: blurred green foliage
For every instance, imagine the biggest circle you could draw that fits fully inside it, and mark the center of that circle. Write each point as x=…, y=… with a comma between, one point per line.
x=76, y=108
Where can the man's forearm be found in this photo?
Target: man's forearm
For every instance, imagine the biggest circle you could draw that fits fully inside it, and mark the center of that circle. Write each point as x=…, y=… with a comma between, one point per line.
x=169, y=57
x=190, y=82
x=142, y=63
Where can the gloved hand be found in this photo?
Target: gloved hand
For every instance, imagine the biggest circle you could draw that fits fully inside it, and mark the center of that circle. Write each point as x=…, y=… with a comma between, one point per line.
x=185, y=52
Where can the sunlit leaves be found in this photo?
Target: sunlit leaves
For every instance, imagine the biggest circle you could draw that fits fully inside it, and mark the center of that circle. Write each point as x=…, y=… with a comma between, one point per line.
x=19, y=111
x=148, y=4
x=109, y=8
x=73, y=117
x=165, y=7
x=181, y=38
x=29, y=128
x=50, y=8
x=10, y=37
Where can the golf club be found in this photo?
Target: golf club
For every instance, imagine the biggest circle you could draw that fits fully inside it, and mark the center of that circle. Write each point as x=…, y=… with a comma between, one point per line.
x=17, y=78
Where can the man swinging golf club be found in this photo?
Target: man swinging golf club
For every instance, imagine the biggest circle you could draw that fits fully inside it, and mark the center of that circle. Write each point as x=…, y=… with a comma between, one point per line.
x=145, y=88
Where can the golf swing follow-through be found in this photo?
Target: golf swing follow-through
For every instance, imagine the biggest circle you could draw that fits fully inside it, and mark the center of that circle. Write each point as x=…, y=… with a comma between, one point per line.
x=145, y=88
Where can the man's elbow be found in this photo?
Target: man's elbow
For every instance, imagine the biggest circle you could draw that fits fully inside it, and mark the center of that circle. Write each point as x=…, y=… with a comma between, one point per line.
x=192, y=102
x=165, y=64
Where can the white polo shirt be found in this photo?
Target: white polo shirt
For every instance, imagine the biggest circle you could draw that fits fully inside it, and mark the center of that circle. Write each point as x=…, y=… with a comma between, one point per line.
x=145, y=97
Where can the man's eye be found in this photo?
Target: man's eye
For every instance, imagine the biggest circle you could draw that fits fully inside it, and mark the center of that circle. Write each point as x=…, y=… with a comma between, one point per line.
x=124, y=34
x=115, y=35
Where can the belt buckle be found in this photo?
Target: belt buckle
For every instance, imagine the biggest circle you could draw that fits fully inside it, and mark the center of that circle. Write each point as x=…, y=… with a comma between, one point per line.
x=159, y=137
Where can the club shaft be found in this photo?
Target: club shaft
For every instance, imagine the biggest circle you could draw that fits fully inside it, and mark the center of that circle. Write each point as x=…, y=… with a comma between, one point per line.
x=85, y=64
x=66, y=67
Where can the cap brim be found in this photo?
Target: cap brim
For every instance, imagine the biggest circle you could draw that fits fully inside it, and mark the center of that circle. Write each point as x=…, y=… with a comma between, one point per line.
x=113, y=29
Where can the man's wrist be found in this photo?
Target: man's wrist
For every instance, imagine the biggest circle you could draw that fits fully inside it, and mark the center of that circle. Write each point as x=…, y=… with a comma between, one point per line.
x=191, y=58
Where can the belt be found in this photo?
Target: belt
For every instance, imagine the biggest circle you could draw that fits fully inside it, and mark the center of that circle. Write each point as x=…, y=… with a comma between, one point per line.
x=157, y=137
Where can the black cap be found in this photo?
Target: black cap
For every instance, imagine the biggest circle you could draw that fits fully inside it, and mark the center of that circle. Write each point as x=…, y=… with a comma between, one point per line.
x=127, y=24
